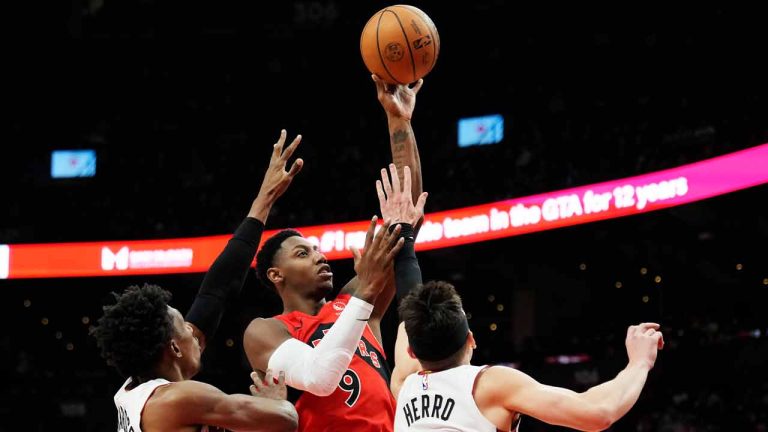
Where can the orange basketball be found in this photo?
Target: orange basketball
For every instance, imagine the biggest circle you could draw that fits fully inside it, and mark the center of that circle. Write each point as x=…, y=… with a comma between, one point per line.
x=400, y=44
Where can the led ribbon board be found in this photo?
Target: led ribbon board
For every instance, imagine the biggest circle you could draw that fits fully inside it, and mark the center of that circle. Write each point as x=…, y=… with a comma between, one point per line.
x=607, y=200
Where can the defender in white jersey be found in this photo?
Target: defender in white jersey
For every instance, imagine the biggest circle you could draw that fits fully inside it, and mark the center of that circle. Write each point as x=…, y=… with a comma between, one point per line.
x=437, y=388
x=130, y=403
x=158, y=350
x=442, y=400
x=163, y=398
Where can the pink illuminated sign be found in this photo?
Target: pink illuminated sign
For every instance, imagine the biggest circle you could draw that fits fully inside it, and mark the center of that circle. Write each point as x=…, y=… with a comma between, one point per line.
x=607, y=200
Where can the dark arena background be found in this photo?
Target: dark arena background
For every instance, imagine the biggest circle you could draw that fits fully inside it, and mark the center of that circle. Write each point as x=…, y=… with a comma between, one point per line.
x=182, y=101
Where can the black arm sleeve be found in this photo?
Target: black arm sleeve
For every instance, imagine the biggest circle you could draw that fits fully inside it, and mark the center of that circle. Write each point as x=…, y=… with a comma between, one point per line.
x=407, y=270
x=225, y=278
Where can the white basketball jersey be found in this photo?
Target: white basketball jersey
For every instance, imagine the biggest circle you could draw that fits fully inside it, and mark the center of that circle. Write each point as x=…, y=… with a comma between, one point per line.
x=130, y=404
x=441, y=401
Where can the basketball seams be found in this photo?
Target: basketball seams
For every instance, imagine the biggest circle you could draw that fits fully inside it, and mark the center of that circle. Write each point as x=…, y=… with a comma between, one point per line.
x=378, y=45
x=408, y=43
x=386, y=61
x=430, y=28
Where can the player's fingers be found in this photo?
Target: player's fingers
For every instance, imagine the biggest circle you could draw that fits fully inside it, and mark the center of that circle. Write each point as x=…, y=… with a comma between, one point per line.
x=398, y=245
x=407, y=181
x=380, y=86
x=292, y=147
x=258, y=383
x=355, y=254
x=630, y=330
x=380, y=194
x=383, y=233
x=268, y=378
x=421, y=202
x=645, y=326
x=369, y=234
x=385, y=182
x=278, y=147
x=395, y=178
x=416, y=87
x=392, y=235
x=298, y=164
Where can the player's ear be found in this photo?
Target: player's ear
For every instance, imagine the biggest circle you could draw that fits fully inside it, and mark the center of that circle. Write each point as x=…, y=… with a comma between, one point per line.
x=175, y=349
x=471, y=340
x=410, y=352
x=275, y=275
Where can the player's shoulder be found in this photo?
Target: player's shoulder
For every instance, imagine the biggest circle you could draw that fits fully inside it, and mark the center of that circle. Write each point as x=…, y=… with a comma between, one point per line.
x=265, y=331
x=494, y=376
x=171, y=399
x=180, y=392
x=499, y=378
x=177, y=402
x=264, y=327
x=501, y=371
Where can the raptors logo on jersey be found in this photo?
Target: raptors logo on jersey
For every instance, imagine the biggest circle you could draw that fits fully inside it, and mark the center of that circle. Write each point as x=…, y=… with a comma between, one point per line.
x=362, y=400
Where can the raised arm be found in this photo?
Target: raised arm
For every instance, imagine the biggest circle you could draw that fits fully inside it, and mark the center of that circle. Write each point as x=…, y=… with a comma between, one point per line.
x=319, y=369
x=593, y=410
x=396, y=204
x=407, y=276
x=399, y=102
x=226, y=276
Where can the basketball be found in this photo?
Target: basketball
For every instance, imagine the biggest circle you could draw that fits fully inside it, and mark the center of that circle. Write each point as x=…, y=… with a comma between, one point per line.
x=400, y=44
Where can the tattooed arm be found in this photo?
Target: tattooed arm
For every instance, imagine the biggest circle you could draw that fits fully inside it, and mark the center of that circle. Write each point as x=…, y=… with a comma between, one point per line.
x=398, y=102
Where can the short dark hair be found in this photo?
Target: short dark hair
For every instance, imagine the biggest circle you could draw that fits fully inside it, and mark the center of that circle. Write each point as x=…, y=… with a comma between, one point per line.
x=266, y=256
x=134, y=331
x=434, y=321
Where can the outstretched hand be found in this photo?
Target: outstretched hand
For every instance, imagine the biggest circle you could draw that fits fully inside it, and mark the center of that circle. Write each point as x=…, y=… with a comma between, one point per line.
x=643, y=343
x=397, y=99
x=277, y=178
x=396, y=203
x=374, y=264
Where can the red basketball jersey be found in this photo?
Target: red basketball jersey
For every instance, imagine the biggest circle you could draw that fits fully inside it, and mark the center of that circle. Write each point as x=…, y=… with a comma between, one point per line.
x=362, y=401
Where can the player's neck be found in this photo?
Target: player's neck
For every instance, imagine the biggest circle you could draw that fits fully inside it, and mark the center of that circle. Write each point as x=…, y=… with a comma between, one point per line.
x=309, y=305
x=441, y=366
x=168, y=372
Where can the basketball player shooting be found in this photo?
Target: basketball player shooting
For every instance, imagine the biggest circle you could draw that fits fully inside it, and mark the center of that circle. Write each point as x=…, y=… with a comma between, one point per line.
x=332, y=351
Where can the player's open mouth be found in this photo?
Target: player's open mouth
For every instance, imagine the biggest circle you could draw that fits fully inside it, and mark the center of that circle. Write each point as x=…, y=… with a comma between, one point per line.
x=325, y=270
